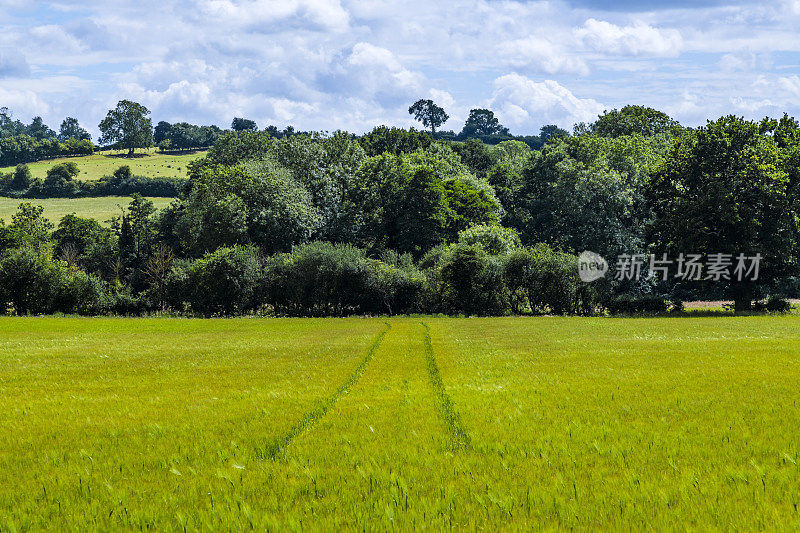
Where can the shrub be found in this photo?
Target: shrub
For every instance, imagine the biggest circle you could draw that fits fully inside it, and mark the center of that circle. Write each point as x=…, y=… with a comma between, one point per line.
x=493, y=239
x=22, y=178
x=224, y=282
x=773, y=304
x=547, y=281
x=82, y=294
x=30, y=280
x=471, y=281
x=632, y=305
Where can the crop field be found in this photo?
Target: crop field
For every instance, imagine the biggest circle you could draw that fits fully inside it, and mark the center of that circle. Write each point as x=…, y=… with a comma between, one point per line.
x=511, y=423
x=147, y=163
x=101, y=208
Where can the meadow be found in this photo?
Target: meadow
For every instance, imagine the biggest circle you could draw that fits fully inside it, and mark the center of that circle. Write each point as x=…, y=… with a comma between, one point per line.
x=511, y=423
x=101, y=208
x=148, y=163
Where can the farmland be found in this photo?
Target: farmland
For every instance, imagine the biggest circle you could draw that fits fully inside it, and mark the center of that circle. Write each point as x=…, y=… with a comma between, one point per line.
x=147, y=163
x=404, y=422
x=101, y=208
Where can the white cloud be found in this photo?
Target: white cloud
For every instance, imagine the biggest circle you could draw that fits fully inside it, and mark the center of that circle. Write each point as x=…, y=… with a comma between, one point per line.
x=790, y=84
x=540, y=55
x=356, y=63
x=522, y=102
x=269, y=15
x=634, y=40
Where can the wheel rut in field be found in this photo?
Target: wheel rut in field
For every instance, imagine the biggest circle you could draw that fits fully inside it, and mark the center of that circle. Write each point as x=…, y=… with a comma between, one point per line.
x=459, y=439
x=311, y=417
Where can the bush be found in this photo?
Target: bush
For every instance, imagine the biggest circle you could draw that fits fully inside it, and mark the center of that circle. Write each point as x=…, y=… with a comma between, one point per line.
x=29, y=280
x=546, y=281
x=22, y=178
x=468, y=281
x=82, y=294
x=773, y=304
x=317, y=279
x=324, y=279
x=492, y=239
x=633, y=305
x=224, y=282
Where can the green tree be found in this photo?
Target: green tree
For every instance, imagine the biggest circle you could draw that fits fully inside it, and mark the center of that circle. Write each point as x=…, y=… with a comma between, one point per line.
x=491, y=238
x=723, y=189
x=394, y=141
x=22, y=178
x=431, y=115
x=60, y=179
x=258, y=203
x=161, y=132
x=39, y=130
x=482, y=122
x=633, y=119
x=71, y=129
x=244, y=124
x=127, y=126
x=224, y=281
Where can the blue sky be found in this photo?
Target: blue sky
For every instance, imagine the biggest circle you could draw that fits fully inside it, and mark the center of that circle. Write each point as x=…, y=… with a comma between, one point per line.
x=340, y=64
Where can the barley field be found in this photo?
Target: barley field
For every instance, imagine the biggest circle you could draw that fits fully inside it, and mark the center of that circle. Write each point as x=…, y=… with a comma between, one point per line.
x=399, y=423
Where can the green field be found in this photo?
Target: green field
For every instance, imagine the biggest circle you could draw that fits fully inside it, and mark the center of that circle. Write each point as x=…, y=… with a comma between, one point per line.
x=512, y=423
x=101, y=208
x=148, y=163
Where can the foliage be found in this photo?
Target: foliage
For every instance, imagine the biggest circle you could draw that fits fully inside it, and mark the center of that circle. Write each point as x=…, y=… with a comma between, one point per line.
x=71, y=129
x=492, y=239
x=431, y=115
x=482, y=122
x=223, y=282
x=127, y=126
x=723, y=189
x=258, y=203
x=394, y=141
x=633, y=120
x=244, y=124
x=18, y=149
x=323, y=279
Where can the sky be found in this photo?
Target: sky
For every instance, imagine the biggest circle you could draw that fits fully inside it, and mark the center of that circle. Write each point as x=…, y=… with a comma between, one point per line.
x=355, y=64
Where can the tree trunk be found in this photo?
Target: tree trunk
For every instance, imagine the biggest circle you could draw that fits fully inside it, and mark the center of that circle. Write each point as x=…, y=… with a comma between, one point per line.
x=742, y=297
x=130, y=152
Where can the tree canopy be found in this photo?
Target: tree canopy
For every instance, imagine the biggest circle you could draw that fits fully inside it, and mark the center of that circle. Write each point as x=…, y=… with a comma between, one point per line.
x=127, y=126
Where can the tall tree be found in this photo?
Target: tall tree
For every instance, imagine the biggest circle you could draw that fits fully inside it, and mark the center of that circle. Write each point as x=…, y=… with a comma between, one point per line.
x=244, y=124
x=128, y=127
x=431, y=115
x=482, y=122
x=39, y=130
x=723, y=190
x=71, y=129
x=161, y=131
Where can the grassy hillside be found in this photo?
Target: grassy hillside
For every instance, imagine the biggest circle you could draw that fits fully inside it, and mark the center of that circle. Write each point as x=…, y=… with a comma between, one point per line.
x=510, y=423
x=146, y=163
x=101, y=208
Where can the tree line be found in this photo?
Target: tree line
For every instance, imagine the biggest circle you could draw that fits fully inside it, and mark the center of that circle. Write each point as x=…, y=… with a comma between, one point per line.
x=400, y=221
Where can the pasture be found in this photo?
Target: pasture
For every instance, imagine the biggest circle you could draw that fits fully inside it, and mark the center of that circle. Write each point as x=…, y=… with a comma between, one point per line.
x=513, y=423
x=100, y=208
x=147, y=163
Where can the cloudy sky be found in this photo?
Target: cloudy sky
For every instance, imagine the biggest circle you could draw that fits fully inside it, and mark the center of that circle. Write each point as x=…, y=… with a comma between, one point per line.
x=342, y=64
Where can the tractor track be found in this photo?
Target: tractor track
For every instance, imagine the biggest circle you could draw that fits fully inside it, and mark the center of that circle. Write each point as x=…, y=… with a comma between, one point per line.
x=311, y=417
x=459, y=438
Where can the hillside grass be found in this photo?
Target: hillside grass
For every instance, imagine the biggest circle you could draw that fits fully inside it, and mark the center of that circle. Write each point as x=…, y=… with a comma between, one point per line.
x=324, y=424
x=147, y=163
x=101, y=208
